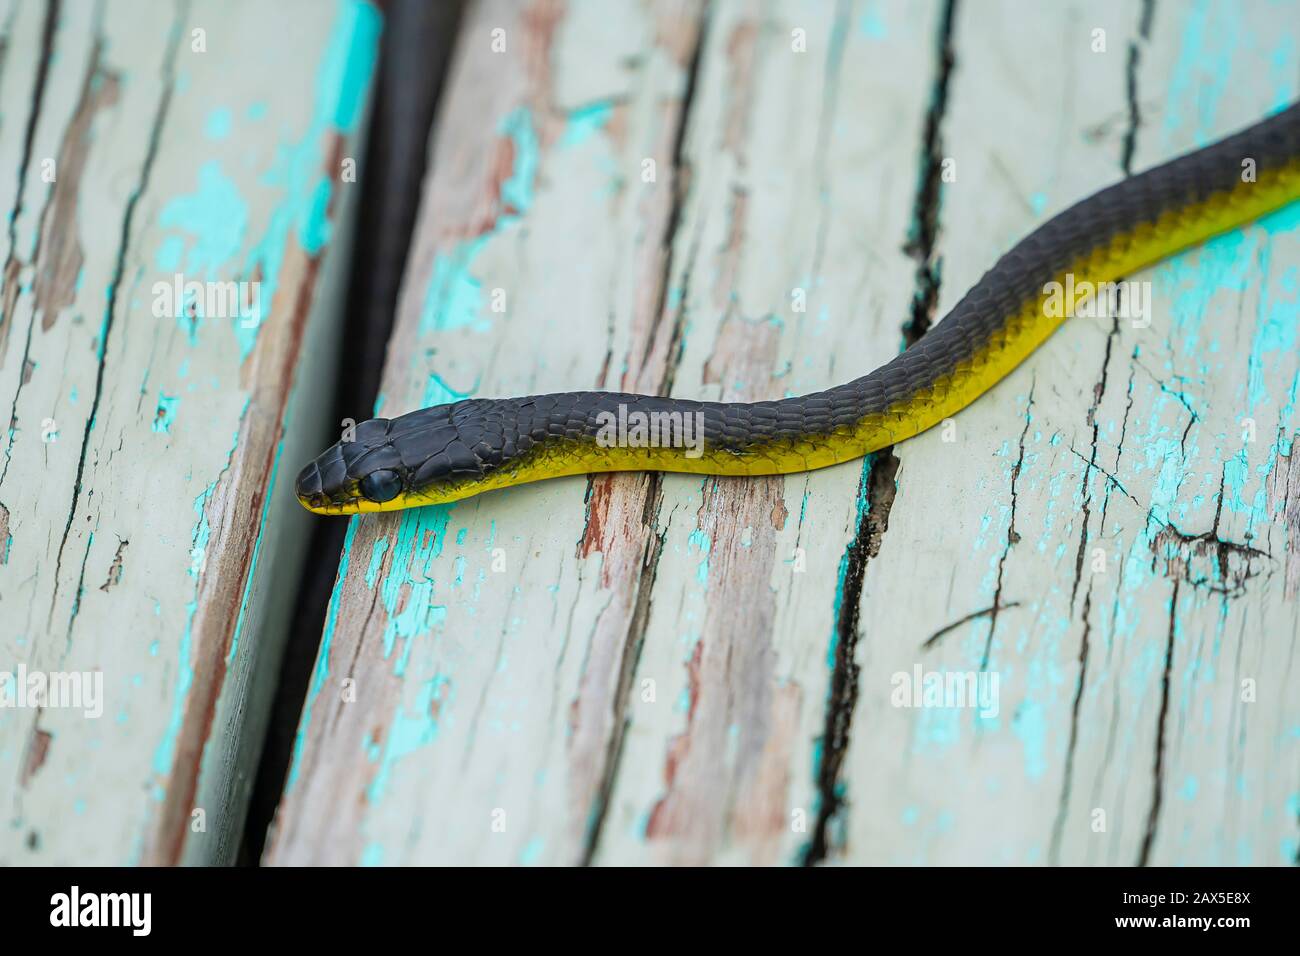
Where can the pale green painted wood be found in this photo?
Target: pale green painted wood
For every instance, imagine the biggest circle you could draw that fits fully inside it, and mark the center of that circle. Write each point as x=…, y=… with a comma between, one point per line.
x=1080, y=650
x=459, y=637
x=636, y=670
x=451, y=696
x=809, y=197
x=149, y=533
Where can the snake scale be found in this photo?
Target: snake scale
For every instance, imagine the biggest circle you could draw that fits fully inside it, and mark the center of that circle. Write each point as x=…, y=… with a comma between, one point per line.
x=456, y=450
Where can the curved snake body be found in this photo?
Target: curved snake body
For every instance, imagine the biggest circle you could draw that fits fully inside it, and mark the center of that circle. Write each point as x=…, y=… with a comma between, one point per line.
x=452, y=451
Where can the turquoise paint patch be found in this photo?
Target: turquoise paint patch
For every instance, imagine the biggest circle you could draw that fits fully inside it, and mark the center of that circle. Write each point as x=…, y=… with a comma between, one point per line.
x=517, y=191
x=215, y=217
x=683, y=703
x=863, y=506
x=299, y=169
x=408, y=732
x=165, y=414
x=408, y=589
x=199, y=538
x=872, y=25
x=438, y=392
x=1211, y=35
x=1284, y=220
x=699, y=541
x=351, y=61
x=532, y=851
x=218, y=123
x=585, y=122
x=1191, y=281
x=454, y=295
x=1282, y=72
x=1278, y=315
x=1030, y=723
x=315, y=232
x=168, y=257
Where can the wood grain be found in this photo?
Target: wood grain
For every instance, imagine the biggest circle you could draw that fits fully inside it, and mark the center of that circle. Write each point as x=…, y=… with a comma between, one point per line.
x=147, y=537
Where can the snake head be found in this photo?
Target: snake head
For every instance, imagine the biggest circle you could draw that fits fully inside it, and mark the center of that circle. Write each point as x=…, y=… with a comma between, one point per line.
x=430, y=456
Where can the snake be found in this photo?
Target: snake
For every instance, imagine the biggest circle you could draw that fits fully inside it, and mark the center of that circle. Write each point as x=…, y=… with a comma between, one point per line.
x=454, y=450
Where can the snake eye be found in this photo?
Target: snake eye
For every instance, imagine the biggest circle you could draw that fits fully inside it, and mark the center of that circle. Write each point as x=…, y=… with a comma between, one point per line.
x=381, y=486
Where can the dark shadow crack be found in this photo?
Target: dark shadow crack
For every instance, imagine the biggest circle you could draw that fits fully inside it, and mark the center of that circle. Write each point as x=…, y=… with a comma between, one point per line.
x=1179, y=397
x=1126, y=164
x=1067, y=778
x=1085, y=489
x=925, y=218
x=1013, y=536
x=1158, y=770
x=653, y=551
x=1119, y=451
x=9, y=277
x=38, y=96
x=76, y=596
x=1111, y=481
x=114, y=577
x=681, y=170
x=1232, y=563
x=1134, y=112
x=973, y=616
x=627, y=672
x=878, y=490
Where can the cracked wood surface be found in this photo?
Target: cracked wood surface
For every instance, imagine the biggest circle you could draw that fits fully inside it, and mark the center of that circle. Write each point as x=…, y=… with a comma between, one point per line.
x=142, y=512
x=1115, y=551
x=637, y=669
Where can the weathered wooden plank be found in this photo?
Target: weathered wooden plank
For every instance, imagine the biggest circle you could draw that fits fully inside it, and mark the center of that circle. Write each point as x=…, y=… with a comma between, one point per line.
x=441, y=723
x=793, y=274
x=1097, y=535
x=646, y=669
x=141, y=488
x=739, y=326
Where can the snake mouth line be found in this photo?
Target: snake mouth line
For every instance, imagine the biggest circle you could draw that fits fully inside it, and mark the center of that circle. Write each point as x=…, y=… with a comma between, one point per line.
x=321, y=505
x=355, y=506
x=324, y=505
